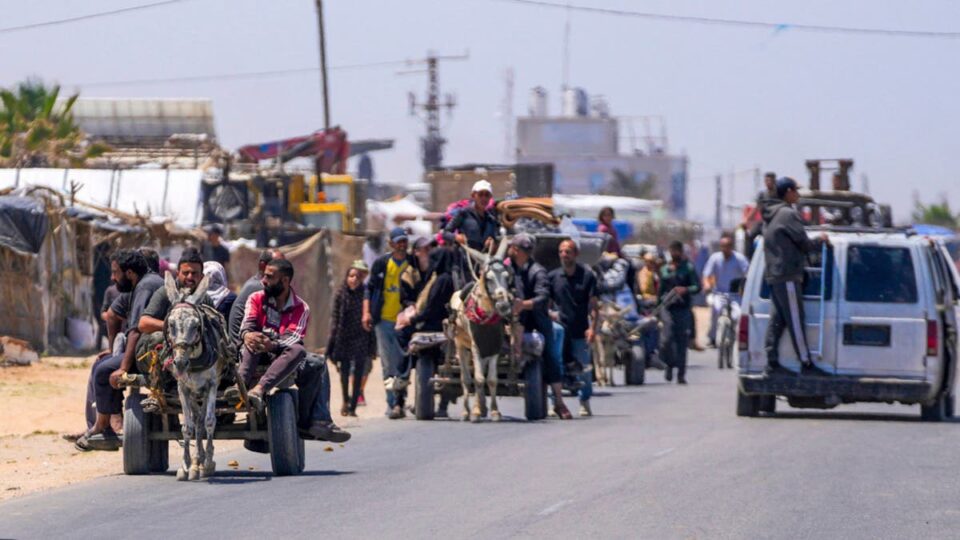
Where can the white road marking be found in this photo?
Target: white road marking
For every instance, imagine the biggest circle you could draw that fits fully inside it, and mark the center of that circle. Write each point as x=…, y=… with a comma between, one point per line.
x=554, y=507
x=664, y=452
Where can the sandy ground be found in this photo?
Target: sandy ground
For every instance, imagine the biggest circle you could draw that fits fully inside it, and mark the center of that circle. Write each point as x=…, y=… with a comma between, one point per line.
x=45, y=400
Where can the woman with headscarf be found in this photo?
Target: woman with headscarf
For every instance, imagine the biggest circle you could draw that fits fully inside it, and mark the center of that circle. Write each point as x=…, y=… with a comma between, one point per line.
x=221, y=296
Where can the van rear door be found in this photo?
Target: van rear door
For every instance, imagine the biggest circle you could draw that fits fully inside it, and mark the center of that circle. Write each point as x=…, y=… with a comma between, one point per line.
x=883, y=320
x=760, y=306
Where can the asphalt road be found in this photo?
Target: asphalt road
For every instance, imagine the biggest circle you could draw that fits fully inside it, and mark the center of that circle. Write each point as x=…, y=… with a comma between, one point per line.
x=658, y=461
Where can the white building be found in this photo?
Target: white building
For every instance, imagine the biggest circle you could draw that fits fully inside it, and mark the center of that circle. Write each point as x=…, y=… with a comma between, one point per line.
x=594, y=152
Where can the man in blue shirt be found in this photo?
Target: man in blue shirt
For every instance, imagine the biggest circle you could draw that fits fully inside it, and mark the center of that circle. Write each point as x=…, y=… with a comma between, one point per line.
x=721, y=269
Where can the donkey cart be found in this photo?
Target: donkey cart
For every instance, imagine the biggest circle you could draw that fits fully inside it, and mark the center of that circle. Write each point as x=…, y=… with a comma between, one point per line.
x=147, y=435
x=439, y=372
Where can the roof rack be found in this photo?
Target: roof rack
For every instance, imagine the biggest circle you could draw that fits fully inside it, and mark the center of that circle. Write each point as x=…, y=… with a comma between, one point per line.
x=909, y=231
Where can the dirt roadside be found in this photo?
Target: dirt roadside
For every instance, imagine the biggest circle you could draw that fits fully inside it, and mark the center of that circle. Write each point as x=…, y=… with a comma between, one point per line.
x=45, y=400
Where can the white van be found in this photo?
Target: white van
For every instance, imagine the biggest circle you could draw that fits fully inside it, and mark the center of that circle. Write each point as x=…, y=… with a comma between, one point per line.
x=889, y=318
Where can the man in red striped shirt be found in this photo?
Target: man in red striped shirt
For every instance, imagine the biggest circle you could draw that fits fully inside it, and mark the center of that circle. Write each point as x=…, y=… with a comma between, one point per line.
x=274, y=324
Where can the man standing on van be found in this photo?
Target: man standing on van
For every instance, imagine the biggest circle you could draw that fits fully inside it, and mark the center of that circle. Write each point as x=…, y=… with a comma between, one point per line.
x=785, y=248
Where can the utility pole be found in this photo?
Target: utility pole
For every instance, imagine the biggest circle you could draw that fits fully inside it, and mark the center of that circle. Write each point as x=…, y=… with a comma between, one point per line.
x=718, y=208
x=323, y=66
x=431, y=144
x=506, y=111
x=730, y=196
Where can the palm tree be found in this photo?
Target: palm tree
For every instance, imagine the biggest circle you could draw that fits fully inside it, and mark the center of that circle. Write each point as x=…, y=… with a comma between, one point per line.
x=936, y=214
x=37, y=131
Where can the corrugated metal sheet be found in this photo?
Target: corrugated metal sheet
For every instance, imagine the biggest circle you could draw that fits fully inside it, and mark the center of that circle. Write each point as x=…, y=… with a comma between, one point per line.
x=146, y=119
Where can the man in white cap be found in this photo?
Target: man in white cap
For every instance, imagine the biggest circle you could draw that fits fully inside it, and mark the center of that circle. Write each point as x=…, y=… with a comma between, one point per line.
x=476, y=226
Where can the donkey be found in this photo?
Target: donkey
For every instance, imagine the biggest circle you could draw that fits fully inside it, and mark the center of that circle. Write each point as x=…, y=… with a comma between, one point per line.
x=479, y=314
x=613, y=334
x=199, y=354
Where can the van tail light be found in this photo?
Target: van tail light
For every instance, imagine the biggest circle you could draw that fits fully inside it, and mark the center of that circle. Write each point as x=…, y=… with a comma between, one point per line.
x=743, y=332
x=933, y=340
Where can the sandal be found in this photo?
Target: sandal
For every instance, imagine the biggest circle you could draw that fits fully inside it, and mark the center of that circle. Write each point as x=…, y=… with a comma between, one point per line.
x=72, y=437
x=255, y=399
x=106, y=441
x=563, y=412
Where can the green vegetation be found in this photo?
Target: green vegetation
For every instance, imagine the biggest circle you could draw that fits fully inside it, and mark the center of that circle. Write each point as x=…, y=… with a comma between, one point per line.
x=936, y=214
x=37, y=131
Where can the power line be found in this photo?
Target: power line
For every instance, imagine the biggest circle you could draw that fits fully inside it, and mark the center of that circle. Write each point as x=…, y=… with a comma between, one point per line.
x=738, y=22
x=99, y=14
x=240, y=75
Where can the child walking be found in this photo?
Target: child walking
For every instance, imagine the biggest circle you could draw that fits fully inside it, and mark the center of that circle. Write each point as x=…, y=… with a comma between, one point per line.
x=350, y=345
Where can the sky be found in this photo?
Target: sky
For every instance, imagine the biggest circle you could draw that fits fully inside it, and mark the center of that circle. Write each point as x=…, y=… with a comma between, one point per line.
x=734, y=98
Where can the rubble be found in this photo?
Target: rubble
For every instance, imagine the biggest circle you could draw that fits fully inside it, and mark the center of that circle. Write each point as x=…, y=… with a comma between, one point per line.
x=16, y=352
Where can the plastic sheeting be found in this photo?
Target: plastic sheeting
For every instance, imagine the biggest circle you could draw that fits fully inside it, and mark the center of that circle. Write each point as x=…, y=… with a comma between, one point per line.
x=23, y=223
x=170, y=193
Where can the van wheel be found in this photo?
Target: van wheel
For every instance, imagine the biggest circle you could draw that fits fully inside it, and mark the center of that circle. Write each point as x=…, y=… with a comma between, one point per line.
x=747, y=405
x=936, y=412
x=768, y=404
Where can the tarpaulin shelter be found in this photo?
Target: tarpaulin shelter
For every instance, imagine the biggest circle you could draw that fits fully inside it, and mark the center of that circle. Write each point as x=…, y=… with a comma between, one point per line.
x=48, y=254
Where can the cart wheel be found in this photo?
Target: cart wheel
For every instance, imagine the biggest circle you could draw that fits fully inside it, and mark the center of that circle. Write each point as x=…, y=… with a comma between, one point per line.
x=160, y=450
x=423, y=407
x=136, y=432
x=747, y=405
x=634, y=368
x=285, y=442
x=534, y=393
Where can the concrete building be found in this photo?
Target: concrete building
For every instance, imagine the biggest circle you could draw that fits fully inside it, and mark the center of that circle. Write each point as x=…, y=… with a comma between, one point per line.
x=594, y=152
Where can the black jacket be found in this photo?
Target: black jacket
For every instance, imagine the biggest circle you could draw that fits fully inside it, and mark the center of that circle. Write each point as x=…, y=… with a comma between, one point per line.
x=475, y=227
x=374, y=290
x=532, y=284
x=785, y=244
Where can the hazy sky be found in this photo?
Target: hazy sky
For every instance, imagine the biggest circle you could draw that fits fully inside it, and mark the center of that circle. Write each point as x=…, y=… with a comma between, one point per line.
x=733, y=97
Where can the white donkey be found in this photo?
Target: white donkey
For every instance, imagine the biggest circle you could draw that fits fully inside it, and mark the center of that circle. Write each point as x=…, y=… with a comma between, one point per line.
x=479, y=320
x=199, y=353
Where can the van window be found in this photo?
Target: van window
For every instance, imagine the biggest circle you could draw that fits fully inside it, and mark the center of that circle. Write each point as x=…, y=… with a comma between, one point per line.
x=880, y=274
x=811, y=277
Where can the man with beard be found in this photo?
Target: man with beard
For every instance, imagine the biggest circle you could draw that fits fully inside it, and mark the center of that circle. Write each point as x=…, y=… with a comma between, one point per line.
x=573, y=289
x=249, y=287
x=130, y=271
x=531, y=307
x=189, y=274
x=680, y=278
x=274, y=325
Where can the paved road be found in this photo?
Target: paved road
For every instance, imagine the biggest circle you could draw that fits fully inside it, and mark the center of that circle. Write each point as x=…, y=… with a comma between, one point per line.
x=658, y=461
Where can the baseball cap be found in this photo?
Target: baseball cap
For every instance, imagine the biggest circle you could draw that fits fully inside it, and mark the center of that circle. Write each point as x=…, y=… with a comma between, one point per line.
x=482, y=185
x=422, y=242
x=785, y=184
x=398, y=234
x=523, y=241
x=360, y=265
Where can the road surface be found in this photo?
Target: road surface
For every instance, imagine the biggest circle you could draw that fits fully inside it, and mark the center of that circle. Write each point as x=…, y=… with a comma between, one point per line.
x=658, y=461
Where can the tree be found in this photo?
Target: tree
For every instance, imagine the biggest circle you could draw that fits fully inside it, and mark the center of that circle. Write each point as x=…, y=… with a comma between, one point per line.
x=936, y=214
x=625, y=185
x=37, y=131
